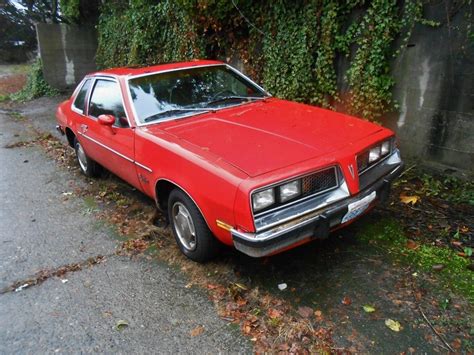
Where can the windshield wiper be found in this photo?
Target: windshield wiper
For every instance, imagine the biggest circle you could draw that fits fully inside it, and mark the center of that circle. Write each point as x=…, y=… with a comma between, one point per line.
x=235, y=97
x=160, y=114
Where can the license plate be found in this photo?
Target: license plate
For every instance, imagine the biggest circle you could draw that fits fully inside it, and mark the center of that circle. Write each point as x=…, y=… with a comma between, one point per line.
x=358, y=207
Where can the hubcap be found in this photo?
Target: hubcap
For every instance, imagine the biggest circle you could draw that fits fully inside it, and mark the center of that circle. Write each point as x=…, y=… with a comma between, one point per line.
x=184, y=226
x=81, y=157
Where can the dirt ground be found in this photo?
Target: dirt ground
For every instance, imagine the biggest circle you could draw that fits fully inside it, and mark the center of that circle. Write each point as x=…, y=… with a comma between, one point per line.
x=399, y=280
x=12, y=78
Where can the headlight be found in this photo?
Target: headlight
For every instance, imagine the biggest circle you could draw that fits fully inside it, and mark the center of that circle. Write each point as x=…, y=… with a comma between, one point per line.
x=385, y=147
x=290, y=190
x=374, y=154
x=263, y=199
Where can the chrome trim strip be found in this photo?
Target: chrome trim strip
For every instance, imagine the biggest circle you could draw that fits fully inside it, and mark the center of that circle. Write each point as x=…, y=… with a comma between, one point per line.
x=141, y=124
x=276, y=232
x=106, y=147
x=247, y=78
x=144, y=167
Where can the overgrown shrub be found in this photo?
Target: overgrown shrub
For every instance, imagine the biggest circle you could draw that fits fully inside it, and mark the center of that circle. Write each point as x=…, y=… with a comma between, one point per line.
x=35, y=85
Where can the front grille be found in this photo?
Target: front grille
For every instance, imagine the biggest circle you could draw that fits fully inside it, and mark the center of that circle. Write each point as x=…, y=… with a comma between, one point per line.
x=320, y=181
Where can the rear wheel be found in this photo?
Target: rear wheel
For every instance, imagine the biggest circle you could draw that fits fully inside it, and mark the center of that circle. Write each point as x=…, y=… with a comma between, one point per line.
x=88, y=166
x=190, y=230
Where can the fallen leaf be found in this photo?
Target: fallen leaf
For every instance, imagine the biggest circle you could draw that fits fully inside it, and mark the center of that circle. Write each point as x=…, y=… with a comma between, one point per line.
x=318, y=313
x=412, y=244
x=274, y=313
x=418, y=296
x=456, y=344
x=368, y=308
x=464, y=229
x=121, y=325
x=393, y=325
x=197, y=331
x=346, y=301
x=305, y=312
x=406, y=199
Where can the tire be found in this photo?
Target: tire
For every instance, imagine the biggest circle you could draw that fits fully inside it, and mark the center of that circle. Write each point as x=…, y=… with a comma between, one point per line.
x=184, y=216
x=88, y=166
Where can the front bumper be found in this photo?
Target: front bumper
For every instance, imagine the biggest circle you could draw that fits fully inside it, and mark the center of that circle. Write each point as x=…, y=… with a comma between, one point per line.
x=316, y=224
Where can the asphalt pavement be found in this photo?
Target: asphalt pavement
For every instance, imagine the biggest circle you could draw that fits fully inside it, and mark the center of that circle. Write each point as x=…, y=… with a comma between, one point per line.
x=42, y=229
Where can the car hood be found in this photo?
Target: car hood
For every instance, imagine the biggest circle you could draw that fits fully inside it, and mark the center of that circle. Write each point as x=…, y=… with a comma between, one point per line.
x=264, y=136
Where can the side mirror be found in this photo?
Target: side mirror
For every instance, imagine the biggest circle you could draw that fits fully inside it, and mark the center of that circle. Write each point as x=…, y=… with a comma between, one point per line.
x=106, y=120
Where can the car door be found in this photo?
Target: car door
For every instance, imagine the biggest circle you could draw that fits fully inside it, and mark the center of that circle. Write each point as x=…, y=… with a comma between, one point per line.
x=111, y=146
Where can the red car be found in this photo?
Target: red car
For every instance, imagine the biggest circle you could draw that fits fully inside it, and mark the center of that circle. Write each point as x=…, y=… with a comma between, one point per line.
x=228, y=162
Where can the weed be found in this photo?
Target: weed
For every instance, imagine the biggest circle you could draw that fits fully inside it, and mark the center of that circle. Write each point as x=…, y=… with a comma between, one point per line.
x=448, y=188
x=35, y=86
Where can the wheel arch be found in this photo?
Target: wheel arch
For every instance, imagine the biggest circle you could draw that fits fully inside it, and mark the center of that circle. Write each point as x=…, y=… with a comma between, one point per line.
x=163, y=188
x=70, y=136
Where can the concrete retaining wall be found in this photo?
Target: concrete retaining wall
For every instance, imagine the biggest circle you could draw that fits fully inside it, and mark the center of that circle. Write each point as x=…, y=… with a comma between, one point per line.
x=435, y=88
x=67, y=52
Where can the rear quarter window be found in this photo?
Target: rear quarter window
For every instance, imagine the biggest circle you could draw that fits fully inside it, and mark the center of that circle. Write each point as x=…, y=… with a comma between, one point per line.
x=80, y=101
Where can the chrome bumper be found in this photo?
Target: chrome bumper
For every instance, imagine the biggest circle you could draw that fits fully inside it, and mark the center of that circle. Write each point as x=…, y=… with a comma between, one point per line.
x=315, y=224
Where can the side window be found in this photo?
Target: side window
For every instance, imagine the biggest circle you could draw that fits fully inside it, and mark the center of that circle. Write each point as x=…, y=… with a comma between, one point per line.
x=80, y=101
x=106, y=99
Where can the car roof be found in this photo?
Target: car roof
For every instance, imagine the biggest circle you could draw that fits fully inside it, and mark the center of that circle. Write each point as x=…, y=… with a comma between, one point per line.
x=132, y=71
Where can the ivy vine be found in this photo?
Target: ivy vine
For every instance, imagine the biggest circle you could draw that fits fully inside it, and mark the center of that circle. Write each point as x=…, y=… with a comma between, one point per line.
x=293, y=48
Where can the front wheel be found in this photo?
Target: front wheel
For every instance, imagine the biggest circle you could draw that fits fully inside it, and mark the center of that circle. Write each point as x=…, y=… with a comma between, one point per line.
x=190, y=230
x=88, y=166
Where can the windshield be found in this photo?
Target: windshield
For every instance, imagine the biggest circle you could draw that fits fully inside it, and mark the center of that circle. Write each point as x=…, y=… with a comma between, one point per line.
x=190, y=91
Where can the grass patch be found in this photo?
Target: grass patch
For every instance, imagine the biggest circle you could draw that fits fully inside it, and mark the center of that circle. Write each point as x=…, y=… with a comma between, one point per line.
x=388, y=235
